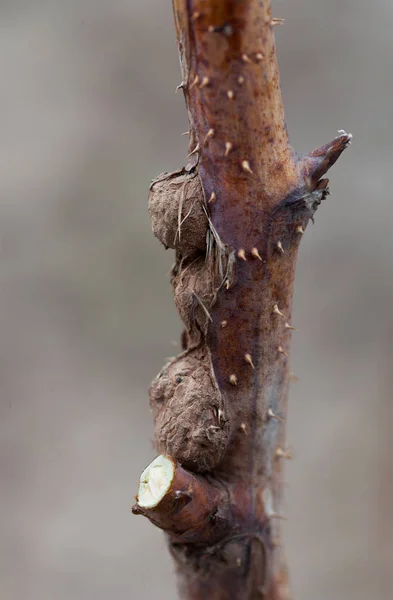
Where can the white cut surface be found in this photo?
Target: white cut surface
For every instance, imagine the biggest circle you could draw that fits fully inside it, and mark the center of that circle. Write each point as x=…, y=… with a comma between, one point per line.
x=155, y=481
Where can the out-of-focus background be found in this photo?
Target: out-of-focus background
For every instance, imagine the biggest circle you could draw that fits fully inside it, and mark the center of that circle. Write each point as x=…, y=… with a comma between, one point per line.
x=88, y=116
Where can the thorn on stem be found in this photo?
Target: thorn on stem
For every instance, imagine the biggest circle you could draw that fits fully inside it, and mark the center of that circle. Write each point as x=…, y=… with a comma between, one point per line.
x=282, y=351
x=248, y=359
x=228, y=148
x=280, y=453
x=245, y=58
x=208, y=136
x=196, y=149
x=255, y=253
x=243, y=428
x=224, y=324
x=181, y=86
x=288, y=326
x=230, y=94
x=233, y=379
x=205, y=81
x=280, y=247
x=259, y=56
x=240, y=79
x=272, y=415
x=195, y=16
x=246, y=166
x=212, y=198
x=277, y=311
x=299, y=230
x=277, y=21
x=195, y=82
x=242, y=254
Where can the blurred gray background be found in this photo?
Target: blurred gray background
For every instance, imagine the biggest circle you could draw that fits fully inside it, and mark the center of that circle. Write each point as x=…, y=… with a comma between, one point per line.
x=88, y=116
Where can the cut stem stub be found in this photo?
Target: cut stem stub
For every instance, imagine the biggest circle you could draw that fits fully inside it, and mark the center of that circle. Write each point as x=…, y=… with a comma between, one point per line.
x=184, y=505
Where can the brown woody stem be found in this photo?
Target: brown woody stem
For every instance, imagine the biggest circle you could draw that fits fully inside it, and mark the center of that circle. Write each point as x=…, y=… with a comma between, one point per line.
x=235, y=216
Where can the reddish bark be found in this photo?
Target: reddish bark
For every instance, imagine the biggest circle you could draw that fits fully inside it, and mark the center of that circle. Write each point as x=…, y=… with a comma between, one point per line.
x=254, y=196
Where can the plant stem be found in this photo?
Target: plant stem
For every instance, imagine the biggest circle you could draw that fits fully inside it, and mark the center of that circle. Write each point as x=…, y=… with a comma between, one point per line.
x=255, y=196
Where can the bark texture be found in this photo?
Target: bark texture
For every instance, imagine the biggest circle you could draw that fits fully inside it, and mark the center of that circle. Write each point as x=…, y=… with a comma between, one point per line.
x=235, y=216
